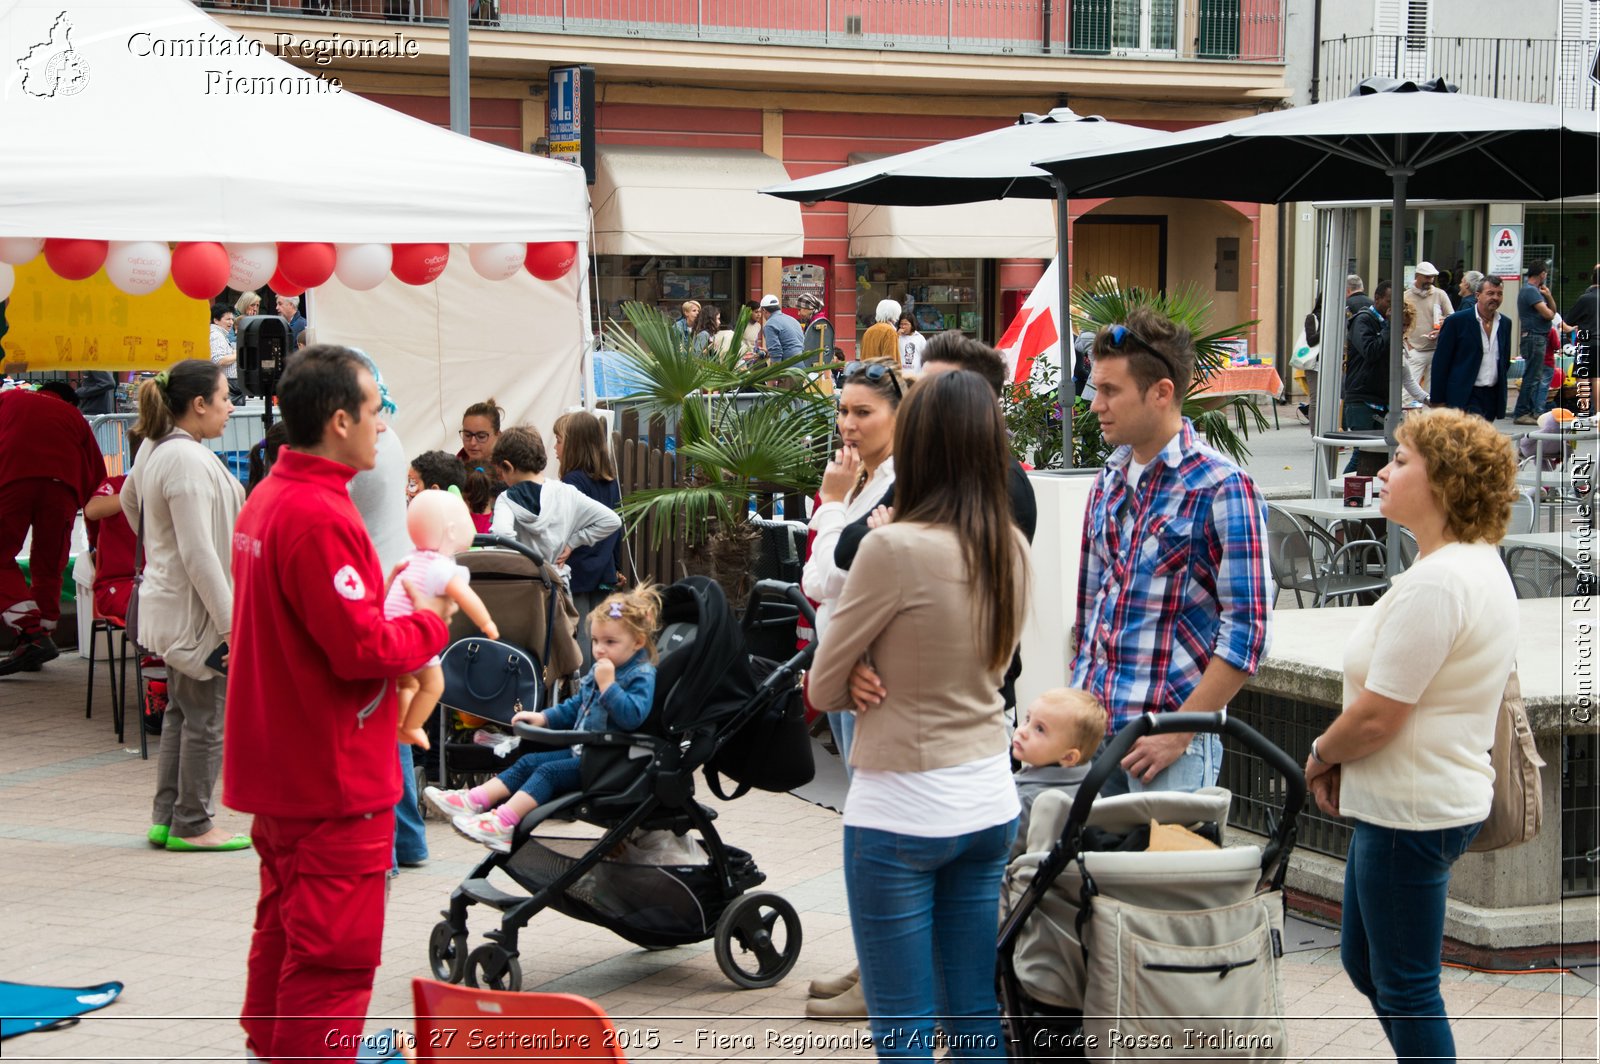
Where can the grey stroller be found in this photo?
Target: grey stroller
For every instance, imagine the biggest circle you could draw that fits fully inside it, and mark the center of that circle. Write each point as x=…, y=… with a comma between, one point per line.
x=1110, y=951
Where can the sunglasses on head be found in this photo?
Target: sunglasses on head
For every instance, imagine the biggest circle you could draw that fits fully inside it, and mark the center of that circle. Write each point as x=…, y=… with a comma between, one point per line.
x=873, y=372
x=1121, y=333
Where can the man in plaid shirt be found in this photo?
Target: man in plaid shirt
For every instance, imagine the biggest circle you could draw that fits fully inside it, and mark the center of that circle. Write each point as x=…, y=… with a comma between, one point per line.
x=1173, y=595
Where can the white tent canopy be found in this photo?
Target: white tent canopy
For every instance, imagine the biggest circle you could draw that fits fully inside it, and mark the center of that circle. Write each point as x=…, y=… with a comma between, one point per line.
x=122, y=121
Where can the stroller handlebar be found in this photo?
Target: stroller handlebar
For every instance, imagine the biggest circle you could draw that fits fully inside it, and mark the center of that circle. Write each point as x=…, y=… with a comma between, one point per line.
x=789, y=592
x=489, y=539
x=609, y=737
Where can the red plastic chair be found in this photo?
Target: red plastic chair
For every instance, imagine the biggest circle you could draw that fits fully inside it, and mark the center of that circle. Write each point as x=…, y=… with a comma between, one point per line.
x=464, y=1023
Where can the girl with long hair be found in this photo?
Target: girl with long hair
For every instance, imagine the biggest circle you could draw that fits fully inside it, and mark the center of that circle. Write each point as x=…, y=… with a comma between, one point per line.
x=934, y=601
x=585, y=463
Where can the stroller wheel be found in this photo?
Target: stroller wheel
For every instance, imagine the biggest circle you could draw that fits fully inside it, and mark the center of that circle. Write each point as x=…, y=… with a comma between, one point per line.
x=447, y=952
x=767, y=931
x=491, y=967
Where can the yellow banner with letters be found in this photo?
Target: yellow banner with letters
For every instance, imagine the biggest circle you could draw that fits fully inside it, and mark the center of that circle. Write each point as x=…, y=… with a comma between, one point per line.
x=83, y=325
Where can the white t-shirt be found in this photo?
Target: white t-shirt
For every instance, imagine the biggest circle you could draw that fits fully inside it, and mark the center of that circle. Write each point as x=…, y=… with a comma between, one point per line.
x=911, y=350
x=940, y=803
x=1444, y=638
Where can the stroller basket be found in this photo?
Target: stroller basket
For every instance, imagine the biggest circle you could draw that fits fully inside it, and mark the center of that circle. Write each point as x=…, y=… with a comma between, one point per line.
x=630, y=899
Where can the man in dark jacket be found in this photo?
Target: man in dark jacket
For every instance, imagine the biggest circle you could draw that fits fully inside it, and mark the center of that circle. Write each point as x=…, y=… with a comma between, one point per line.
x=97, y=393
x=1460, y=378
x=1366, y=375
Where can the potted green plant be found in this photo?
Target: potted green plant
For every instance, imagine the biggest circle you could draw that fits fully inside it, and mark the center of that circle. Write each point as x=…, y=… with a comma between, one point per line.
x=1033, y=409
x=742, y=427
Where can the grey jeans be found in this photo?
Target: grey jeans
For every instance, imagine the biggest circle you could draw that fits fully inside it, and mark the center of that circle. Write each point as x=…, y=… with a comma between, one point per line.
x=191, y=754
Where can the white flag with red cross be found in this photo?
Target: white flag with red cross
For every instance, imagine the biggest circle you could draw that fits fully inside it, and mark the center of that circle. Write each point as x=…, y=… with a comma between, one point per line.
x=1035, y=333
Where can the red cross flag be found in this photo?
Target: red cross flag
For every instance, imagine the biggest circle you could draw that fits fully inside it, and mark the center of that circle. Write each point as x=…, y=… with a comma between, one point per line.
x=1034, y=333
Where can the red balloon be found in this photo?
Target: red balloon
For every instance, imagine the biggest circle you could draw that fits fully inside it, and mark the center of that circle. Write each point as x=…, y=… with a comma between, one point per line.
x=282, y=286
x=200, y=269
x=551, y=261
x=75, y=259
x=307, y=265
x=419, y=263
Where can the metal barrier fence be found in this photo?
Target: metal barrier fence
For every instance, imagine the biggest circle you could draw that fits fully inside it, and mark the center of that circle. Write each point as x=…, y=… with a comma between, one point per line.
x=244, y=428
x=1580, y=815
x=1237, y=30
x=1530, y=71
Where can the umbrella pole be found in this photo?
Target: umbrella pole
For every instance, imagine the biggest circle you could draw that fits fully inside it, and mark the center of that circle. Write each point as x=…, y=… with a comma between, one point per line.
x=1391, y=422
x=1066, y=387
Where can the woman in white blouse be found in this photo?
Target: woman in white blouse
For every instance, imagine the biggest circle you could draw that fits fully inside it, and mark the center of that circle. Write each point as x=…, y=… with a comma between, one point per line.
x=1408, y=758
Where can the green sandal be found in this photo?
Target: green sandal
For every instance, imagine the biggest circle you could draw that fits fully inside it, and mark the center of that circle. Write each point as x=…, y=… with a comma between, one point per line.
x=238, y=842
x=158, y=835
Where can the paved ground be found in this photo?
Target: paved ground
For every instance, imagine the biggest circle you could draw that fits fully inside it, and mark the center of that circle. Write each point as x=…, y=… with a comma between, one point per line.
x=86, y=900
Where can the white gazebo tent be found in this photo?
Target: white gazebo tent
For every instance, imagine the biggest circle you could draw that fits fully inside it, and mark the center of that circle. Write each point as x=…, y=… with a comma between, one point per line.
x=149, y=120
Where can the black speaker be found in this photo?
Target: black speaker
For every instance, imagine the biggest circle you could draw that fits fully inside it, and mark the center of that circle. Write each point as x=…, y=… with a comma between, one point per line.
x=265, y=343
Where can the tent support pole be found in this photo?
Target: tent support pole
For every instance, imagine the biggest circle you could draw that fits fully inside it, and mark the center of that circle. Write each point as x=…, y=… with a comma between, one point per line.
x=460, y=87
x=1066, y=387
x=1397, y=290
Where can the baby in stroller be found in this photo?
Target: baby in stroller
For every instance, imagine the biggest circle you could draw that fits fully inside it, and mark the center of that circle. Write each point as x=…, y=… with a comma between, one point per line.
x=1054, y=743
x=618, y=692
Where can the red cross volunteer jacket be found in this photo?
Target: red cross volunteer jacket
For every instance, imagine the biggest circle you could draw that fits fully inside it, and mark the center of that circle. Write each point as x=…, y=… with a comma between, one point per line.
x=311, y=726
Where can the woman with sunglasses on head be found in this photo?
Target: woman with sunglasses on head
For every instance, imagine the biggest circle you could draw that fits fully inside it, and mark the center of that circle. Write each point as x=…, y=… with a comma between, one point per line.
x=861, y=471
x=935, y=602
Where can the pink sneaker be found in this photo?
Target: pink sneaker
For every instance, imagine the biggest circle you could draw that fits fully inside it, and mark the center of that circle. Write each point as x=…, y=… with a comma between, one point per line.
x=451, y=803
x=486, y=828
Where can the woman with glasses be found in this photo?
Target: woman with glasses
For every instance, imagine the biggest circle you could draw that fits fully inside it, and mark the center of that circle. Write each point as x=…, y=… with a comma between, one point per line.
x=862, y=469
x=480, y=428
x=934, y=601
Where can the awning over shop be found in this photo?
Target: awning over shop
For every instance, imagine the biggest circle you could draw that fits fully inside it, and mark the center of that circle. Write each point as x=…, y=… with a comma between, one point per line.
x=993, y=229
x=691, y=201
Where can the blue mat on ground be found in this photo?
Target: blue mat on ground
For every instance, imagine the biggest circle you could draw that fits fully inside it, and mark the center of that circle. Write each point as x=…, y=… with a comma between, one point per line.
x=24, y=1007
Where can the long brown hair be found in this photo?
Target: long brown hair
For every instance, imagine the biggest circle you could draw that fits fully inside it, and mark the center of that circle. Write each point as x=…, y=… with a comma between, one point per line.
x=583, y=445
x=952, y=467
x=166, y=397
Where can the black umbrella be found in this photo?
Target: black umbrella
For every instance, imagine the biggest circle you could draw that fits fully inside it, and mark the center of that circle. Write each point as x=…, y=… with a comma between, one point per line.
x=986, y=166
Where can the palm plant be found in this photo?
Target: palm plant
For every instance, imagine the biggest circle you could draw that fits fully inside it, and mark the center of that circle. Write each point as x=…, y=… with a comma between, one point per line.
x=1226, y=424
x=742, y=427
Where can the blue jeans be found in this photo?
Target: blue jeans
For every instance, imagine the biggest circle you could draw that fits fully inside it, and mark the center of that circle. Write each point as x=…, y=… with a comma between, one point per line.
x=1196, y=768
x=544, y=775
x=843, y=726
x=1359, y=415
x=1394, y=896
x=410, y=837
x=1536, y=377
x=925, y=915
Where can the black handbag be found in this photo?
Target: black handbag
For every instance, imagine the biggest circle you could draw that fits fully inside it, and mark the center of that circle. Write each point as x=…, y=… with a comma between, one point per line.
x=770, y=752
x=489, y=679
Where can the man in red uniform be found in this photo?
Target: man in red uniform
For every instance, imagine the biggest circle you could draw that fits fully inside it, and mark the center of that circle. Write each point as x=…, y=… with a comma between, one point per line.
x=309, y=746
x=49, y=466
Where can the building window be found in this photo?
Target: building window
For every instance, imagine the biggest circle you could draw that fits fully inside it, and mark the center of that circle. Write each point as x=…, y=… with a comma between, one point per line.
x=1099, y=26
x=666, y=284
x=939, y=294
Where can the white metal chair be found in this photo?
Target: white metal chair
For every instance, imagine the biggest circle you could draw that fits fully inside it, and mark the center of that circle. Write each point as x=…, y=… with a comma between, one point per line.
x=1538, y=572
x=1312, y=562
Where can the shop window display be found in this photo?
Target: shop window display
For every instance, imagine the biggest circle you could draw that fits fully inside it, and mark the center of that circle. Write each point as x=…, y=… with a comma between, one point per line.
x=939, y=294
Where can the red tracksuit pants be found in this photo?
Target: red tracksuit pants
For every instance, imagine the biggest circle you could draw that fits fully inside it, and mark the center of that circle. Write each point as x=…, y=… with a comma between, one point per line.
x=48, y=506
x=318, y=934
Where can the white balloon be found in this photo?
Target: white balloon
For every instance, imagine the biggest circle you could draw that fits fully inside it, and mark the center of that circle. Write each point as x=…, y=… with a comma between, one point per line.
x=250, y=265
x=362, y=267
x=497, y=262
x=8, y=277
x=19, y=249
x=138, y=267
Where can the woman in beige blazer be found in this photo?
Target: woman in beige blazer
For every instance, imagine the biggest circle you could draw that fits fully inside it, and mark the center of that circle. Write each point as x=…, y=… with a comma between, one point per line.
x=934, y=602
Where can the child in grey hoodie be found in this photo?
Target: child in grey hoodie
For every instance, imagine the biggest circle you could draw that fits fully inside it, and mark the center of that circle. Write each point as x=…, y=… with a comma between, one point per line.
x=547, y=515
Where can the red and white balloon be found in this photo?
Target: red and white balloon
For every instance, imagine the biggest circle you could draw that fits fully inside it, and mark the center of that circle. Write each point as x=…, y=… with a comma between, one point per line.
x=20, y=249
x=496, y=262
x=74, y=259
x=420, y=264
x=551, y=261
x=138, y=267
x=250, y=265
x=200, y=269
x=362, y=267
x=306, y=264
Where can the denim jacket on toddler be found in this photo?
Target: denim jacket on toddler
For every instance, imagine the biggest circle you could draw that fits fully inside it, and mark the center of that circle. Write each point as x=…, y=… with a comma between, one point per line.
x=624, y=705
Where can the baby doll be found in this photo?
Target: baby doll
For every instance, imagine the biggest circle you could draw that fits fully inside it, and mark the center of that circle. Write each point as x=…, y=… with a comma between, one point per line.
x=440, y=526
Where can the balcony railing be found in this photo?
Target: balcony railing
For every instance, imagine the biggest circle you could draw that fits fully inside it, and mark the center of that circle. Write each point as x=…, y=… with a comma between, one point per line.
x=1532, y=71
x=1248, y=31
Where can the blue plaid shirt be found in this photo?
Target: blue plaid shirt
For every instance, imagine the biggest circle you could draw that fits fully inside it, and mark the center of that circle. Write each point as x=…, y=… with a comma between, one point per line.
x=1176, y=576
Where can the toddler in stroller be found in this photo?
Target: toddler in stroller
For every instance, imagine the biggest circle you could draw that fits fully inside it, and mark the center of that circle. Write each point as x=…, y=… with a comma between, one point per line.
x=617, y=692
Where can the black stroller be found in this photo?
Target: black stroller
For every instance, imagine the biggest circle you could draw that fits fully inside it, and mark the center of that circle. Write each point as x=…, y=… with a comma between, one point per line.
x=709, y=713
x=1114, y=951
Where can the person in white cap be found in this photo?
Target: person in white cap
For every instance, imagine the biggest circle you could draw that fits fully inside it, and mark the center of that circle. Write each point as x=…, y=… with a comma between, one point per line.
x=1430, y=306
x=780, y=332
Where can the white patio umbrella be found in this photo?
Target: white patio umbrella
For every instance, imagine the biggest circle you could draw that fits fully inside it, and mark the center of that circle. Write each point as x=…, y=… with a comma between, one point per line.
x=994, y=165
x=1389, y=139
